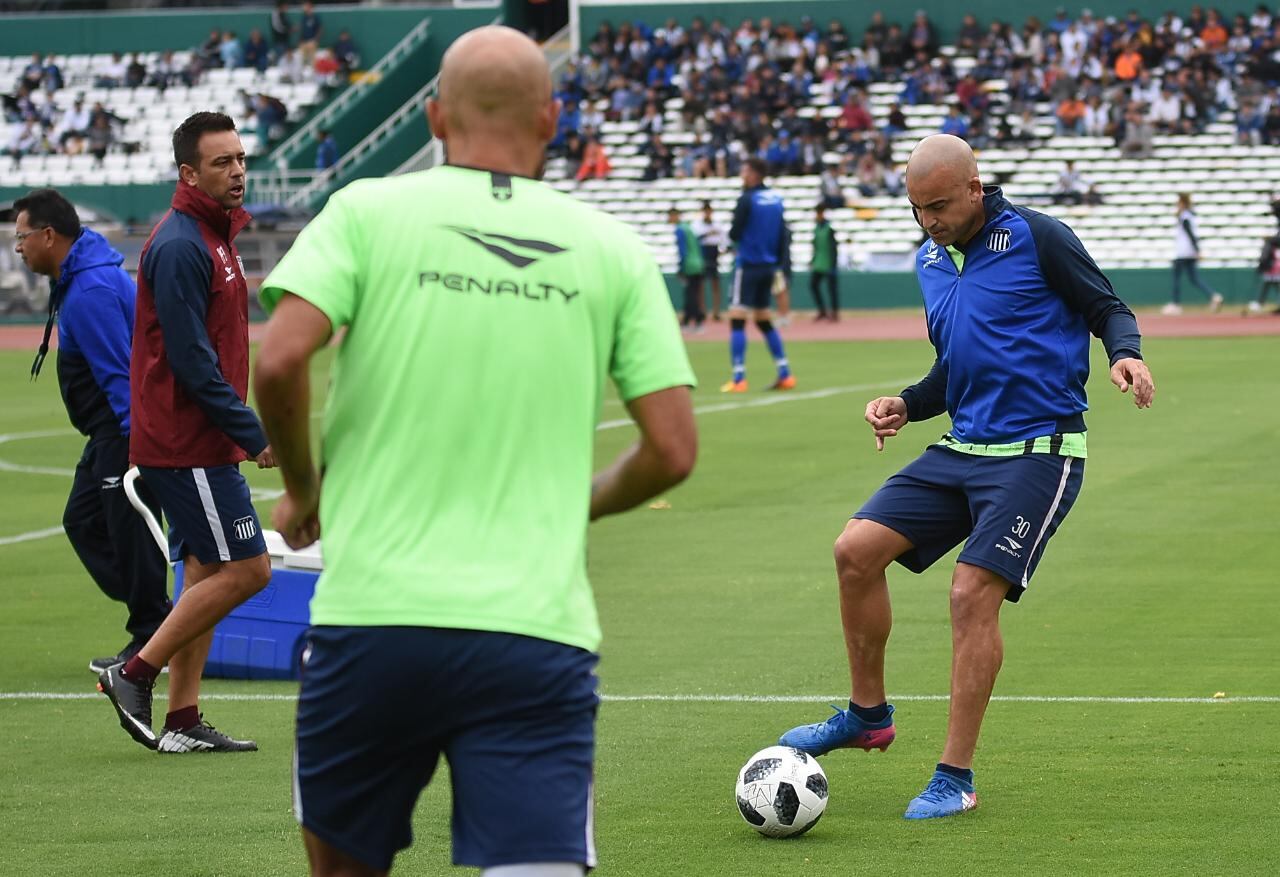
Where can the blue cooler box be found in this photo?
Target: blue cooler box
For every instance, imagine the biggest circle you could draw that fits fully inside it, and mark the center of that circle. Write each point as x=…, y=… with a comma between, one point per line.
x=262, y=637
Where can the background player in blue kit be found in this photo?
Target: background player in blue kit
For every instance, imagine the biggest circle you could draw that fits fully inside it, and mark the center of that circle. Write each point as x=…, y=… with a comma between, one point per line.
x=759, y=232
x=1011, y=297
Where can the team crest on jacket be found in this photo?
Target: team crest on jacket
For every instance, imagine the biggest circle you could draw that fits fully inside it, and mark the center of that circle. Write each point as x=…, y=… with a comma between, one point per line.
x=999, y=239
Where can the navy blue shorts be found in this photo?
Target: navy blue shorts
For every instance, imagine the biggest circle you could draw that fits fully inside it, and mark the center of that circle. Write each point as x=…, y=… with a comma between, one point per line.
x=513, y=715
x=1006, y=507
x=753, y=287
x=711, y=261
x=209, y=511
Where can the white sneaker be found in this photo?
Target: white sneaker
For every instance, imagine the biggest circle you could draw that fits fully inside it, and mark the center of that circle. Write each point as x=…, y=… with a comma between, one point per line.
x=1172, y=309
x=1255, y=307
x=783, y=322
x=1215, y=302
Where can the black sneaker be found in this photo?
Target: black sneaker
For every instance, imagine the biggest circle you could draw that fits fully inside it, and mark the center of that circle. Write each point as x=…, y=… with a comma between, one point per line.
x=100, y=665
x=202, y=737
x=132, y=700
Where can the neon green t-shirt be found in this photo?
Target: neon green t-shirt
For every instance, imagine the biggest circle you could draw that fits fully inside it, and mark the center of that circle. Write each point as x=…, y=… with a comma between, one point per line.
x=483, y=315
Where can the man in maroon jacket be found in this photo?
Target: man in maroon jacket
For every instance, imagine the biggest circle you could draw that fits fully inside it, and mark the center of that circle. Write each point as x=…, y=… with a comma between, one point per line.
x=189, y=375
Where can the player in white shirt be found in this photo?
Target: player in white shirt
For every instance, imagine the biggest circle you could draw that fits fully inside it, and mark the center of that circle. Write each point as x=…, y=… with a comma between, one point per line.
x=712, y=237
x=1186, y=255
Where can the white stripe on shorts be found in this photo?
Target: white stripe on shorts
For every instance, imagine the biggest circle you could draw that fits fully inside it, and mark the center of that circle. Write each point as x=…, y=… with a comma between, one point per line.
x=211, y=513
x=297, y=789
x=591, y=825
x=1048, y=519
x=735, y=300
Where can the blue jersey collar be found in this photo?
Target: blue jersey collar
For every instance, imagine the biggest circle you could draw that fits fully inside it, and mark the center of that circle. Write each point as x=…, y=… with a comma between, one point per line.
x=993, y=204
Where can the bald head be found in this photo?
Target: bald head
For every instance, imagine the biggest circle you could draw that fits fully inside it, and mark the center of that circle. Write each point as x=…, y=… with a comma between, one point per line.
x=941, y=154
x=944, y=189
x=494, y=79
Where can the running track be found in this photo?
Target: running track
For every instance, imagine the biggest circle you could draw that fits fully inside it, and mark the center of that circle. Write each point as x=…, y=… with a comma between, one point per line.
x=868, y=326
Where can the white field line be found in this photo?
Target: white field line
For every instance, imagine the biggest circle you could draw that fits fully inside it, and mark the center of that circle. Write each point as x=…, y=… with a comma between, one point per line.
x=261, y=494
x=727, y=698
x=255, y=493
x=775, y=399
x=30, y=537
x=7, y=466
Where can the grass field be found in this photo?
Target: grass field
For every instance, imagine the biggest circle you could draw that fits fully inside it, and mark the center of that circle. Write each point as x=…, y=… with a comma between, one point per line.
x=1162, y=584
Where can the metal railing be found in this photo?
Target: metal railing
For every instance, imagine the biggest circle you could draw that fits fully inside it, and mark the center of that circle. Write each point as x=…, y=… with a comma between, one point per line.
x=410, y=109
x=559, y=49
x=430, y=155
x=291, y=146
x=279, y=185
x=558, y=53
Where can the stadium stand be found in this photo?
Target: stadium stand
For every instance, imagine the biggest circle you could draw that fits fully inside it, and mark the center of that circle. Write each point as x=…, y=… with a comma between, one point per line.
x=138, y=114
x=1143, y=110
x=665, y=111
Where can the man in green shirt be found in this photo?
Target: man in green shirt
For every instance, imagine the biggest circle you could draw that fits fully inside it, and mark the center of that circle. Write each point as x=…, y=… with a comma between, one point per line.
x=692, y=268
x=823, y=268
x=483, y=312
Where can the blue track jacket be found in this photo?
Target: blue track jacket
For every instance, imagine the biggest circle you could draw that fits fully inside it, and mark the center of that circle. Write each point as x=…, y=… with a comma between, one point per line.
x=1011, y=328
x=759, y=229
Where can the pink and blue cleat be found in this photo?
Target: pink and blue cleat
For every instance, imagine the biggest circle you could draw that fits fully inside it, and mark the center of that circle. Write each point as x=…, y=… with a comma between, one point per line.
x=844, y=730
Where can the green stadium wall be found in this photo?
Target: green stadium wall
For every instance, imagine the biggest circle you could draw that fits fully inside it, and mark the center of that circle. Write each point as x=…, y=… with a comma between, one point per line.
x=374, y=29
x=1139, y=287
x=945, y=14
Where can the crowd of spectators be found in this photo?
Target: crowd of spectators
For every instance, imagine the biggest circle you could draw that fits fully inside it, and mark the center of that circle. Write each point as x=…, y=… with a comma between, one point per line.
x=46, y=114
x=758, y=89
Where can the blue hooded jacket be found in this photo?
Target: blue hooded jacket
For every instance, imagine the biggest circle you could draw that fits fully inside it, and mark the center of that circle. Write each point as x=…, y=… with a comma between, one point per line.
x=94, y=299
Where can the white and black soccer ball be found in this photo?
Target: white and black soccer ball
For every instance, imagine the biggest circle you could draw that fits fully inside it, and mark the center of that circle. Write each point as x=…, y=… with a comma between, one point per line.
x=781, y=791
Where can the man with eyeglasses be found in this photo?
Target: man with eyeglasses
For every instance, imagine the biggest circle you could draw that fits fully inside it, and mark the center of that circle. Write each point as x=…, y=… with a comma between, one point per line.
x=91, y=301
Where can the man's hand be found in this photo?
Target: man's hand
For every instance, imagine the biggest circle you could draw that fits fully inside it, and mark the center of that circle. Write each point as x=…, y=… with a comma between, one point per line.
x=267, y=459
x=1134, y=373
x=887, y=415
x=297, y=518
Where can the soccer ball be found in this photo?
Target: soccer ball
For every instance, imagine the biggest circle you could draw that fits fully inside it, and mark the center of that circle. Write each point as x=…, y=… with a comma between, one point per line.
x=781, y=791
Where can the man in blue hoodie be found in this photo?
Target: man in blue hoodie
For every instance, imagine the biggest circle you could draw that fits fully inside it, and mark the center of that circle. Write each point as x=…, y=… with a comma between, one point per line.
x=91, y=301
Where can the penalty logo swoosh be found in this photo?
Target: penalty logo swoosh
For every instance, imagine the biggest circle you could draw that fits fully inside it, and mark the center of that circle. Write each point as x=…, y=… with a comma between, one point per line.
x=519, y=252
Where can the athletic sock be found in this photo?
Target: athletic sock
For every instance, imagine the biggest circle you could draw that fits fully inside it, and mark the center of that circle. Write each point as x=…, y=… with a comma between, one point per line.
x=738, y=349
x=180, y=720
x=139, y=670
x=774, y=340
x=960, y=773
x=870, y=714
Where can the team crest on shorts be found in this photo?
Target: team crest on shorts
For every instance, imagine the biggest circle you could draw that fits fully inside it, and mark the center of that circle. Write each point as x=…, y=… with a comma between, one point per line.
x=999, y=239
x=245, y=528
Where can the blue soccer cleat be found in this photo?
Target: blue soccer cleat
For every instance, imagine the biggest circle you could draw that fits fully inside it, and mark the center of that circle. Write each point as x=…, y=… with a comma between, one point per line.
x=944, y=796
x=844, y=730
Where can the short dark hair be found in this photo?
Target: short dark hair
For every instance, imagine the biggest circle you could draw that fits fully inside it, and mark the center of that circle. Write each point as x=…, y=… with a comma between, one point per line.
x=758, y=165
x=186, y=139
x=46, y=208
